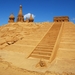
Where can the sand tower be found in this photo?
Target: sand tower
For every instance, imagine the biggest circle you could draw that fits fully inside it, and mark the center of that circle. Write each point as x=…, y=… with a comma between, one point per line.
x=11, y=18
x=20, y=17
x=31, y=18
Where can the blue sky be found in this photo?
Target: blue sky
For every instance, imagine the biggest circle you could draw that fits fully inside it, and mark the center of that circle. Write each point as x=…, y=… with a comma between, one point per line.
x=44, y=10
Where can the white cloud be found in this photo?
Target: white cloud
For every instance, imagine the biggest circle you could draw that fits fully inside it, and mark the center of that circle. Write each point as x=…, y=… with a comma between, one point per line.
x=73, y=19
x=28, y=15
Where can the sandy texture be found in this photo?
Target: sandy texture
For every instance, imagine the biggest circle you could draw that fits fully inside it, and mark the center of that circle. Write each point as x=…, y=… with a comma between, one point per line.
x=18, y=41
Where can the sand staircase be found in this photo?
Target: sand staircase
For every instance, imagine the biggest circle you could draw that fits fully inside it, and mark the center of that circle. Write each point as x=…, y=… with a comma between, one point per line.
x=45, y=48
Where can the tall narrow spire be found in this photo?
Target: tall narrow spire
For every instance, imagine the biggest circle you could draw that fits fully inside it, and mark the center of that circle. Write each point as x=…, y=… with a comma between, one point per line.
x=20, y=17
x=20, y=11
x=31, y=18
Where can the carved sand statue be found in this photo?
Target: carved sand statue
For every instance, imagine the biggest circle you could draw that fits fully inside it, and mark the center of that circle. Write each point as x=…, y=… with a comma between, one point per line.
x=41, y=63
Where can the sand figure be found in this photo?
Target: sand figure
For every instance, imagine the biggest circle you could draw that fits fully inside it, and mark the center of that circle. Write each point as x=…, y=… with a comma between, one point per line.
x=41, y=63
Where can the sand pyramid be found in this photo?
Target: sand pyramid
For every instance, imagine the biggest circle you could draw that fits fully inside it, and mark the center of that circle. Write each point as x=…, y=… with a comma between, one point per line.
x=24, y=45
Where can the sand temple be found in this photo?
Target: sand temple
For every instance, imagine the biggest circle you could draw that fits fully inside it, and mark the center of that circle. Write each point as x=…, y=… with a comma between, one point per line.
x=61, y=19
x=30, y=48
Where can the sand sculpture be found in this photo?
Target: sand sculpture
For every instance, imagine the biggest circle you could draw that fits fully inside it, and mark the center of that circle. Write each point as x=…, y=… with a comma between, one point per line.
x=29, y=48
x=20, y=17
x=61, y=19
x=11, y=18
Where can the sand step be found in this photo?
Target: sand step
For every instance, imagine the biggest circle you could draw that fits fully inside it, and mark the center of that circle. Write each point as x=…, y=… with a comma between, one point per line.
x=48, y=44
x=47, y=49
x=40, y=57
x=42, y=53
